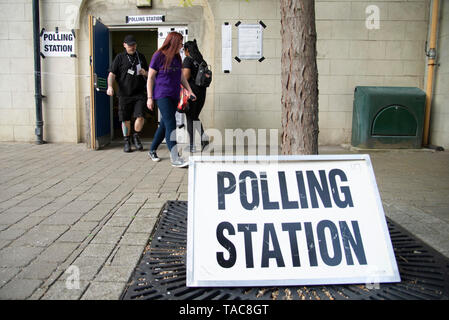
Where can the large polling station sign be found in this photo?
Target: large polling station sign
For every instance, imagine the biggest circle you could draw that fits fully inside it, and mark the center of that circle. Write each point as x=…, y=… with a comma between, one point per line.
x=286, y=220
x=57, y=44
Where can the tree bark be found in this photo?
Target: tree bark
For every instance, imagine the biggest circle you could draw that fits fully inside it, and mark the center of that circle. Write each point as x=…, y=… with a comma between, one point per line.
x=299, y=77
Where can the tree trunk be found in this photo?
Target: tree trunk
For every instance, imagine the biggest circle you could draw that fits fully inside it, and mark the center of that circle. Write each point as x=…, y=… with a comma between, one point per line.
x=299, y=76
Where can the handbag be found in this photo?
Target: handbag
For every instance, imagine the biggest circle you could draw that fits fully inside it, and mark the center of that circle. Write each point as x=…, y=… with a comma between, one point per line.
x=183, y=104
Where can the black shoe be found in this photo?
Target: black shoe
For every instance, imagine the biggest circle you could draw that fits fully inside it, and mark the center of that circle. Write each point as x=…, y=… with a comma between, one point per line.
x=154, y=156
x=127, y=147
x=137, y=143
x=204, y=144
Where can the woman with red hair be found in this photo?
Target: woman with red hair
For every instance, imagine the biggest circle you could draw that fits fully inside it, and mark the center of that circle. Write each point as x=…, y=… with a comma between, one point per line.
x=163, y=87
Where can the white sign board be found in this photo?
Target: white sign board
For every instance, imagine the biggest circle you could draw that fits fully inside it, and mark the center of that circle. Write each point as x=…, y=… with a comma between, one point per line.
x=286, y=220
x=145, y=19
x=57, y=44
x=250, y=38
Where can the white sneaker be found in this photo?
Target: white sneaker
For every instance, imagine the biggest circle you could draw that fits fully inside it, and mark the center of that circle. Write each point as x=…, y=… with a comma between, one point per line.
x=179, y=163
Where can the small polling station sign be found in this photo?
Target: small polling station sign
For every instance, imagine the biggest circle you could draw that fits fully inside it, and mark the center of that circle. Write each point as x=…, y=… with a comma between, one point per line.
x=286, y=220
x=145, y=19
x=58, y=44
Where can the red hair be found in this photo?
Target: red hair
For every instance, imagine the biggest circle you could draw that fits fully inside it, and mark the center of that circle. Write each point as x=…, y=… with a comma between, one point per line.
x=170, y=48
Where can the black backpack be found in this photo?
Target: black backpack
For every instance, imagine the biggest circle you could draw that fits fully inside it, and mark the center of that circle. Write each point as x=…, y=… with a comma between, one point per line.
x=204, y=75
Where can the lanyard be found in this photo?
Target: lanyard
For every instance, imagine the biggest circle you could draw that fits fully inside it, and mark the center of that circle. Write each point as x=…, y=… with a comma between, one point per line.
x=134, y=60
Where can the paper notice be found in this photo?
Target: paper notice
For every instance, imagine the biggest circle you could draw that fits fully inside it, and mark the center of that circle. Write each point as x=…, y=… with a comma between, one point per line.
x=250, y=41
x=226, y=47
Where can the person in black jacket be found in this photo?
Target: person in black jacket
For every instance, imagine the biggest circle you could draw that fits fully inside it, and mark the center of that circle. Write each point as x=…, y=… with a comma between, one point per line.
x=129, y=69
x=190, y=69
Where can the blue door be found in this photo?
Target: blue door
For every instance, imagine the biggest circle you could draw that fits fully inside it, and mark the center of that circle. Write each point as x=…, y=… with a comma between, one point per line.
x=100, y=102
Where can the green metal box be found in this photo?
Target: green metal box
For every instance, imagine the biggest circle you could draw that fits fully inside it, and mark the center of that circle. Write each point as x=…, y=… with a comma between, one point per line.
x=388, y=117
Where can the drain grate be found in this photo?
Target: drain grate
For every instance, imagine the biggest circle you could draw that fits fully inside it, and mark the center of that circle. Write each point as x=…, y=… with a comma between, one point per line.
x=161, y=272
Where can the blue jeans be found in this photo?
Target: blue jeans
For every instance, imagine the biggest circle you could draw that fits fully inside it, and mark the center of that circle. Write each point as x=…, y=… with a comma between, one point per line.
x=167, y=125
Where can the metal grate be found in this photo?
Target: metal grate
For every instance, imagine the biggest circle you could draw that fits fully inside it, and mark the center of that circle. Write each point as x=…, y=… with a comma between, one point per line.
x=161, y=272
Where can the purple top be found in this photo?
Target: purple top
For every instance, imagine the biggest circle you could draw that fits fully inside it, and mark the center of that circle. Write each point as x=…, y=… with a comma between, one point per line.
x=167, y=82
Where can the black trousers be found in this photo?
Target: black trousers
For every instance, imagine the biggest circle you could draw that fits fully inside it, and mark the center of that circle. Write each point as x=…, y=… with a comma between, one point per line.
x=192, y=116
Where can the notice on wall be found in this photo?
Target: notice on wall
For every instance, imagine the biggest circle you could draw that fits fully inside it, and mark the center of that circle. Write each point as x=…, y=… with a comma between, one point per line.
x=226, y=48
x=286, y=220
x=57, y=44
x=250, y=39
x=164, y=31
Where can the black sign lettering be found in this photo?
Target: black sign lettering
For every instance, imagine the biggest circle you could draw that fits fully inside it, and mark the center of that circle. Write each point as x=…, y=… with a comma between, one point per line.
x=326, y=232
x=327, y=224
x=322, y=189
x=247, y=229
x=58, y=36
x=349, y=242
x=286, y=203
x=292, y=228
x=267, y=204
x=301, y=189
x=345, y=190
x=311, y=244
x=267, y=254
x=58, y=48
x=227, y=244
x=254, y=188
x=317, y=189
x=222, y=190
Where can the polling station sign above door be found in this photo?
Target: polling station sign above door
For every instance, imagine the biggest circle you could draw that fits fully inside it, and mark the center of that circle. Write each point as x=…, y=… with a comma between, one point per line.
x=286, y=220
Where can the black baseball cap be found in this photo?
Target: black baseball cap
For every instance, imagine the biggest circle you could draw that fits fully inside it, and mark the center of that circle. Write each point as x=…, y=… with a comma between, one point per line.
x=130, y=40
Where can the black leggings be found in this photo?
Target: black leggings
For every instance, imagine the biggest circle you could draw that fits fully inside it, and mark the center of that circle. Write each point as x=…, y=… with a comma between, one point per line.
x=193, y=114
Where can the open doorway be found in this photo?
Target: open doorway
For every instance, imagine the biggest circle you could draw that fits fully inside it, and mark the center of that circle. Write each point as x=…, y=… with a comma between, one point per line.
x=146, y=44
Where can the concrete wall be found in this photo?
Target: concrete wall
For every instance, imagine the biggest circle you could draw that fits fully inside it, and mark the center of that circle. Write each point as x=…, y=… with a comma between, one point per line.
x=17, y=107
x=16, y=71
x=249, y=96
x=439, y=122
x=349, y=55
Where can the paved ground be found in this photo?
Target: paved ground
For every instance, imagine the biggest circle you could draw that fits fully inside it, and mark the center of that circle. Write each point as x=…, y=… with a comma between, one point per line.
x=62, y=205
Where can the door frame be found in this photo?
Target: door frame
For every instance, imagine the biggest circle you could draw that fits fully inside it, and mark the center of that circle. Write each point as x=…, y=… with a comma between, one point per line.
x=112, y=28
x=95, y=142
x=92, y=89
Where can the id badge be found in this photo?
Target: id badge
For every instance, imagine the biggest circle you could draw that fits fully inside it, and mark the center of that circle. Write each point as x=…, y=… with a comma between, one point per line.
x=131, y=71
